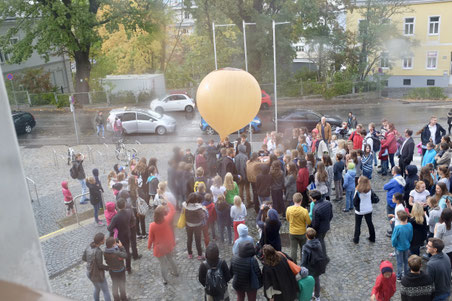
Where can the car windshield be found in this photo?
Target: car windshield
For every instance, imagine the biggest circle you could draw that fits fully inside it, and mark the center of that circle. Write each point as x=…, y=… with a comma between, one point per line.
x=154, y=114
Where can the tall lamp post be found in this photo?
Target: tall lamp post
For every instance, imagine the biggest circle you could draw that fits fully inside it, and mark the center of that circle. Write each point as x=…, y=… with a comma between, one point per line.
x=246, y=64
x=214, y=42
x=274, y=71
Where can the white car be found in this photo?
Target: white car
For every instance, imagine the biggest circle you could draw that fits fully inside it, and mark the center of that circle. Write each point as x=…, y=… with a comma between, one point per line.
x=174, y=102
x=141, y=121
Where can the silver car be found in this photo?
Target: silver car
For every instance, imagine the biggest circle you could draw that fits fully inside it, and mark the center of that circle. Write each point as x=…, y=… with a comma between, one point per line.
x=141, y=121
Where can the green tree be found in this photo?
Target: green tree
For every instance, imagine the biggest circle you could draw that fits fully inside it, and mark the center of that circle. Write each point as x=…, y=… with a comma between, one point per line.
x=70, y=26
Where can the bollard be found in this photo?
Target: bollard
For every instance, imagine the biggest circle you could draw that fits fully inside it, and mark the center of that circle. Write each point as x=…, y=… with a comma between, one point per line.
x=36, y=190
x=75, y=206
x=90, y=153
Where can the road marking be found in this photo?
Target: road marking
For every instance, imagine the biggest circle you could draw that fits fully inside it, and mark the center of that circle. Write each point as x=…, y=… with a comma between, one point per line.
x=50, y=234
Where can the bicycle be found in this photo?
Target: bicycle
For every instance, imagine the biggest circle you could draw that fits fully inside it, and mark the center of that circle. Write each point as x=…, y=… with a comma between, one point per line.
x=124, y=154
x=70, y=155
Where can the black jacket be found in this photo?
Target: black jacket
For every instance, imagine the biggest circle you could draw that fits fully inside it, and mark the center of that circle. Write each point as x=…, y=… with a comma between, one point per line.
x=281, y=278
x=78, y=165
x=114, y=258
x=270, y=234
x=247, y=145
x=122, y=222
x=407, y=152
x=263, y=185
x=241, y=266
x=312, y=257
x=417, y=287
x=419, y=232
x=425, y=135
x=438, y=267
x=411, y=179
x=322, y=214
x=227, y=165
x=95, y=195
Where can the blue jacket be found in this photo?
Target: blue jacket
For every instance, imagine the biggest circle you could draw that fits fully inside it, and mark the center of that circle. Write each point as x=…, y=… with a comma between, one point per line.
x=338, y=168
x=396, y=184
x=429, y=157
x=401, y=237
x=349, y=180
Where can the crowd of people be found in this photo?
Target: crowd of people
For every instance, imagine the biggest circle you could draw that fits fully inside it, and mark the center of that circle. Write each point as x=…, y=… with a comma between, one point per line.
x=289, y=179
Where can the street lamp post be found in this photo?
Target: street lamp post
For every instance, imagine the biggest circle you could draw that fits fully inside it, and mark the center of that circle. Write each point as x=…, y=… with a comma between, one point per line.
x=274, y=71
x=214, y=41
x=246, y=64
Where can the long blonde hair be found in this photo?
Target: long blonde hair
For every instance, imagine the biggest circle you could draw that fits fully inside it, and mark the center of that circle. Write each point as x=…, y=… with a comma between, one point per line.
x=217, y=181
x=418, y=213
x=229, y=181
x=237, y=201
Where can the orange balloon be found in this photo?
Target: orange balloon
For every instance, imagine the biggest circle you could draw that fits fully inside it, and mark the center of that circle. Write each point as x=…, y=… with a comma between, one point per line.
x=228, y=100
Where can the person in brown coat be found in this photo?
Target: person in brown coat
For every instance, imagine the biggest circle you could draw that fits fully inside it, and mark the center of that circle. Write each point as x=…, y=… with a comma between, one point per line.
x=324, y=129
x=252, y=170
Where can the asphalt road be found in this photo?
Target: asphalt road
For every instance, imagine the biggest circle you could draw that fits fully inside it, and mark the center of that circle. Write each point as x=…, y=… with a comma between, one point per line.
x=57, y=128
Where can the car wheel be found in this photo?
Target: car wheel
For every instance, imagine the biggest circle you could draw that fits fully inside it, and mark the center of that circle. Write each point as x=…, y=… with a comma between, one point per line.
x=28, y=129
x=188, y=109
x=264, y=106
x=161, y=130
x=159, y=110
x=210, y=131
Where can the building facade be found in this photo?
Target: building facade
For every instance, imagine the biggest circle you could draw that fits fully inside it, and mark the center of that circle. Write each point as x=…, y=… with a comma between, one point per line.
x=429, y=62
x=58, y=66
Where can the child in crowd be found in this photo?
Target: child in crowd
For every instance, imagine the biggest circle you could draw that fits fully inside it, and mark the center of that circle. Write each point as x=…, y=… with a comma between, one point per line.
x=305, y=285
x=429, y=156
x=349, y=186
x=263, y=152
x=110, y=212
x=311, y=166
x=153, y=183
x=188, y=158
x=397, y=198
x=111, y=179
x=302, y=142
x=434, y=213
x=355, y=156
x=385, y=285
x=114, y=255
x=238, y=214
x=419, y=194
x=420, y=228
x=411, y=180
x=217, y=188
x=401, y=239
x=68, y=201
x=313, y=258
x=338, y=169
x=210, y=207
x=242, y=229
x=223, y=210
x=333, y=144
x=383, y=155
x=200, y=178
x=366, y=161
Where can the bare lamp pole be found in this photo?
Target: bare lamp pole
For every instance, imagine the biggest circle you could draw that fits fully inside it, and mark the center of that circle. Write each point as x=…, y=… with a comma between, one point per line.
x=214, y=42
x=274, y=71
x=246, y=64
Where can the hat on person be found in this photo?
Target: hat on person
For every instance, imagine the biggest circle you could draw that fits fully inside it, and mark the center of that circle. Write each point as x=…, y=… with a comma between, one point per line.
x=351, y=165
x=121, y=168
x=304, y=272
x=386, y=269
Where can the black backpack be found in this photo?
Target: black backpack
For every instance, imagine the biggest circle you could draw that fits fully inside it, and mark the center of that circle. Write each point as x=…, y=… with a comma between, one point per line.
x=317, y=263
x=73, y=172
x=376, y=143
x=215, y=283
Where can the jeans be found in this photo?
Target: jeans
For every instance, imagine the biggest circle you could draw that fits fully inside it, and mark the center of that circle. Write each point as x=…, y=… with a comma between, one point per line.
x=443, y=297
x=317, y=286
x=196, y=231
x=118, y=285
x=375, y=159
x=339, y=189
x=221, y=227
x=141, y=224
x=101, y=286
x=370, y=225
x=391, y=159
x=96, y=211
x=402, y=262
x=251, y=295
x=390, y=210
x=84, y=190
x=384, y=167
x=166, y=263
x=295, y=242
x=263, y=199
x=99, y=129
x=367, y=174
x=349, y=199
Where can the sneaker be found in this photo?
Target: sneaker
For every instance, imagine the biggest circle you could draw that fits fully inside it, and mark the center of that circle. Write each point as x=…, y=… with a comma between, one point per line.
x=190, y=256
x=83, y=203
x=165, y=282
x=388, y=235
x=200, y=258
x=368, y=238
x=100, y=223
x=392, y=254
x=399, y=279
x=345, y=210
x=138, y=257
x=317, y=298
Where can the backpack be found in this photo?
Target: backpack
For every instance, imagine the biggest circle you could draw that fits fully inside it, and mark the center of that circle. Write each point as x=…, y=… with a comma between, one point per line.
x=215, y=283
x=376, y=143
x=317, y=263
x=73, y=172
x=195, y=187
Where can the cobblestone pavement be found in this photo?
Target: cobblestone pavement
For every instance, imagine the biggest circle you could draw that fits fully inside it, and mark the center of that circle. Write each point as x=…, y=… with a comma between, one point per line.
x=350, y=274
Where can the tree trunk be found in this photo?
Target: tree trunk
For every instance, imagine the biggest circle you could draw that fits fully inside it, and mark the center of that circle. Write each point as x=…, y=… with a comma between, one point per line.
x=163, y=51
x=83, y=66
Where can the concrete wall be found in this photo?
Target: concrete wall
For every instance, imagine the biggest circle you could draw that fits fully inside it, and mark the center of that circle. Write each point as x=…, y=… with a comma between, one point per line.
x=21, y=259
x=396, y=81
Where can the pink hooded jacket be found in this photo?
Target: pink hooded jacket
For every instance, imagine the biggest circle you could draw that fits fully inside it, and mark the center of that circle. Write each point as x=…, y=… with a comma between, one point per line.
x=66, y=193
x=109, y=213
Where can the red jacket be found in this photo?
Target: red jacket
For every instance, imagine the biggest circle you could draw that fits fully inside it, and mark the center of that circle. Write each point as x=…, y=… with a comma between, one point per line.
x=302, y=180
x=390, y=142
x=201, y=162
x=212, y=213
x=66, y=192
x=162, y=235
x=357, y=140
x=384, y=288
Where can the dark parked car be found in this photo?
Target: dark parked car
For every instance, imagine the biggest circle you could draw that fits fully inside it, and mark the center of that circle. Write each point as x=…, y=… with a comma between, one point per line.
x=24, y=122
x=304, y=118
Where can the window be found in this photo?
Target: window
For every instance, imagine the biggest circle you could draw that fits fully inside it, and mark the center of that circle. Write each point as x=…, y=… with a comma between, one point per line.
x=433, y=26
x=407, y=82
x=184, y=30
x=430, y=82
x=432, y=57
x=299, y=48
x=186, y=15
x=128, y=117
x=384, y=60
x=407, y=63
x=384, y=83
x=143, y=117
x=409, y=26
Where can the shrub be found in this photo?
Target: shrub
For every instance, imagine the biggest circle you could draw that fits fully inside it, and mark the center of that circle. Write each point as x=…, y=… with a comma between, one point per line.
x=426, y=93
x=42, y=99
